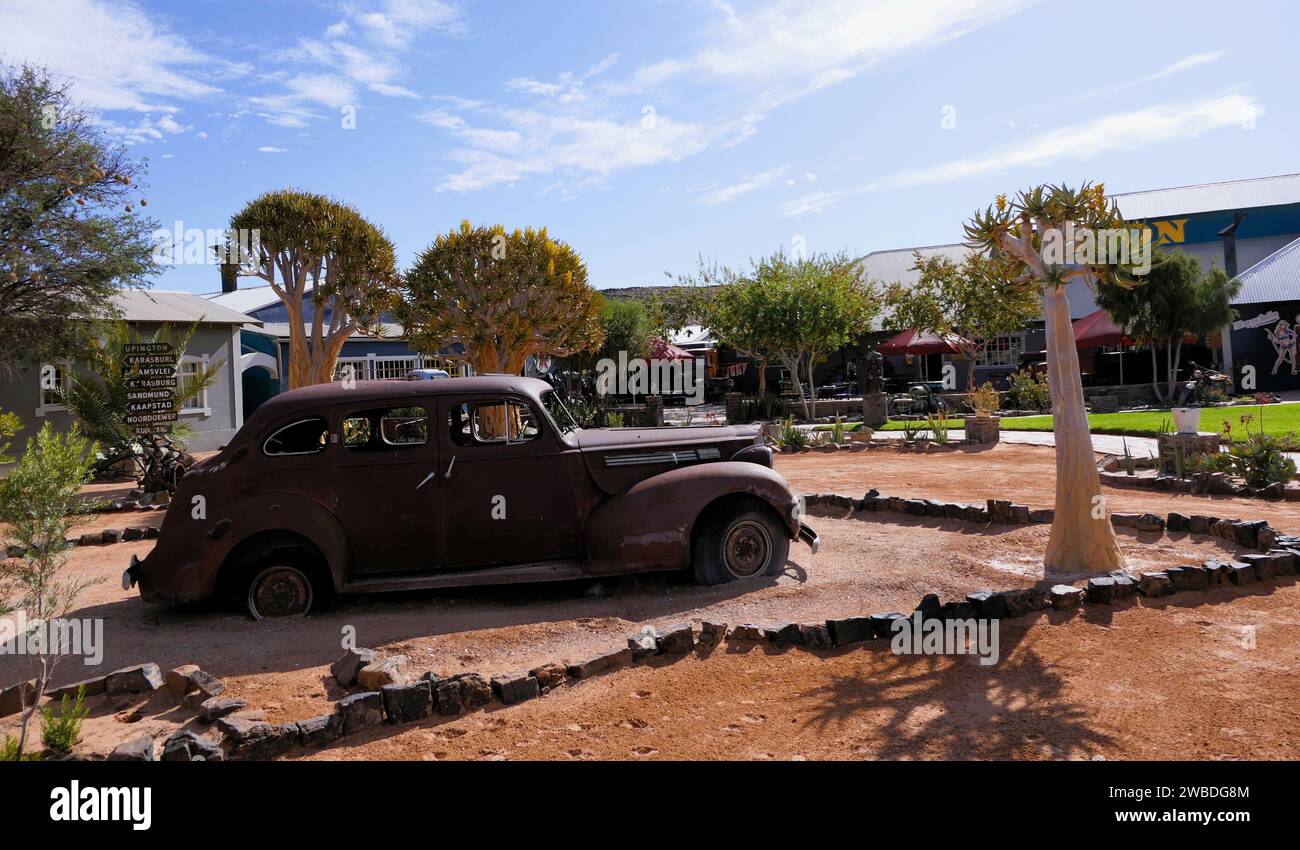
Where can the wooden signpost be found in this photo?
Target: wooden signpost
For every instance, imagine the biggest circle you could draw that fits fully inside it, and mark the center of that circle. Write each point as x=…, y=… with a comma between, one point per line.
x=151, y=387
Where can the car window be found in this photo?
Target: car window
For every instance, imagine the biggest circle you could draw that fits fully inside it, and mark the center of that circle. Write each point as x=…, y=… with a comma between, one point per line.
x=492, y=423
x=305, y=437
x=383, y=428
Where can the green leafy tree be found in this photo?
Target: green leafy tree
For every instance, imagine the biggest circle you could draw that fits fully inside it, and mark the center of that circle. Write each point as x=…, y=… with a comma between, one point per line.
x=38, y=506
x=503, y=295
x=626, y=325
x=97, y=396
x=1025, y=237
x=968, y=302
x=314, y=250
x=70, y=234
x=788, y=310
x=1177, y=298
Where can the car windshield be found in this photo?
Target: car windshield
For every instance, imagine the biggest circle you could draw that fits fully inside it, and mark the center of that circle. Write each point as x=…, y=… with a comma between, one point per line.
x=560, y=414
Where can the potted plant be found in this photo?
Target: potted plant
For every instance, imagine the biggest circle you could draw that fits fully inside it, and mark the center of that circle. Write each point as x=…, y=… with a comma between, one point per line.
x=1187, y=419
x=983, y=427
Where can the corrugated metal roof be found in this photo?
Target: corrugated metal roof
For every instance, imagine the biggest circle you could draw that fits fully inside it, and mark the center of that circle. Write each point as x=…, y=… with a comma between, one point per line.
x=1274, y=278
x=896, y=265
x=161, y=305
x=1210, y=197
x=245, y=300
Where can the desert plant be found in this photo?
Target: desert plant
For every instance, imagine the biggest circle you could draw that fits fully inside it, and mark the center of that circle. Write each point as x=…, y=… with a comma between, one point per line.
x=939, y=428
x=61, y=730
x=1030, y=390
x=1257, y=458
x=614, y=420
x=912, y=430
x=1130, y=467
x=9, y=751
x=790, y=435
x=37, y=503
x=839, y=433
x=984, y=401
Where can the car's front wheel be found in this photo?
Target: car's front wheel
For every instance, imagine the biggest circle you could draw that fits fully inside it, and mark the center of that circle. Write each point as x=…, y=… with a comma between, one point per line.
x=743, y=542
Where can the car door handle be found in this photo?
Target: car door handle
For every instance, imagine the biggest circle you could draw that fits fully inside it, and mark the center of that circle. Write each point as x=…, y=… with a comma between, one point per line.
x=426, y=480
x=450, y=466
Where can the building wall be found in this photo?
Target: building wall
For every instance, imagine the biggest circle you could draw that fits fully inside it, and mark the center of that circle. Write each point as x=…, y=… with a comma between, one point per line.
x=213, y=426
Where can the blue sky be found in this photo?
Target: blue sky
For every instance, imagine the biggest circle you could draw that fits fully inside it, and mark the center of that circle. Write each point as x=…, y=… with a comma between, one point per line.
x=648, y=133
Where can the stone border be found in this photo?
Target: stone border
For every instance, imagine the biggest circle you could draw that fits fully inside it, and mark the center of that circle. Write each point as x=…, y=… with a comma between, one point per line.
x=1200, y=484
x=391, y=697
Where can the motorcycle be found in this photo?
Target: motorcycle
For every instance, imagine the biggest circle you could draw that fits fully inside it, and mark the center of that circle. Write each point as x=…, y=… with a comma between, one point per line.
x=1206, y=385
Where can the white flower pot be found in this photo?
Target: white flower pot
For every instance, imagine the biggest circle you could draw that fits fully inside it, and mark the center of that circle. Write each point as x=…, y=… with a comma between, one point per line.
x=1188, y=419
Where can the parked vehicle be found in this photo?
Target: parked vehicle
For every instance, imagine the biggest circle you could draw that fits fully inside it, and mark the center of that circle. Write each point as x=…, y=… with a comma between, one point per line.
x=463, y=481
x=427, y=374
x=921, y=399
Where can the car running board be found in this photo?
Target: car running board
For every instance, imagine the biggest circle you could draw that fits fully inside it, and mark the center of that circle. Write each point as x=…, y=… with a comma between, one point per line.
x=511, y=574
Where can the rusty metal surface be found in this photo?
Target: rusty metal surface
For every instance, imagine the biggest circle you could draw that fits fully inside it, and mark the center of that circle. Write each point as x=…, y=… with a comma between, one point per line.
x=616, y=500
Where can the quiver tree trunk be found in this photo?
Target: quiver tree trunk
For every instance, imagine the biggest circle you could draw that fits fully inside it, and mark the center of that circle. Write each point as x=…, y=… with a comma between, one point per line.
x=1082, y=538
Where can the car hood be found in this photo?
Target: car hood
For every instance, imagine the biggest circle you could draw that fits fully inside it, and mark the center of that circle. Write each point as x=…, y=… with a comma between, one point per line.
x=617, y=458
x=603, y=439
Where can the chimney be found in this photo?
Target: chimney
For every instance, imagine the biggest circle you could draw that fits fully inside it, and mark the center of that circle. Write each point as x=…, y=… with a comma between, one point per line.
x=1229, y=237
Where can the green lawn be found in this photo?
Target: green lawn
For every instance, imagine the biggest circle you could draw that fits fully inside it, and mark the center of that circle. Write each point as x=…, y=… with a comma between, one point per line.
x=1278, y=419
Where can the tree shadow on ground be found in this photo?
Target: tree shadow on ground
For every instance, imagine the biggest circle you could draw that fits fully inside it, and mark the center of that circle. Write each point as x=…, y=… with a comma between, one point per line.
x=952, y=707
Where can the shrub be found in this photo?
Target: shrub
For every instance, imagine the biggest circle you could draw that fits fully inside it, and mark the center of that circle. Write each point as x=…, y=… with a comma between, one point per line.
x=9, y=751
x=939, y=428
x=984, y=400
x=59, y=732
x=614, y=420
x=1258, y=458
x=1030, y=390
x=791, y=436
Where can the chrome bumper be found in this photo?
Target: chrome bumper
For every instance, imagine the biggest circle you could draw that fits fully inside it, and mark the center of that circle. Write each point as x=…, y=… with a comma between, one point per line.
x=807, y=535
x=131, y=575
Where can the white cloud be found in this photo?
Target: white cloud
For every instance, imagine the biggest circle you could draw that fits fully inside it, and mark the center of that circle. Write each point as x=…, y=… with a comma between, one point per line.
x=814, y=203
x=1185, y=63
x=116, y=55
x=587, y=148
x=748, y=64
x=747, y=184
x=1117, y=132
x=271, y=149
x=789, y=48
x=396, y=23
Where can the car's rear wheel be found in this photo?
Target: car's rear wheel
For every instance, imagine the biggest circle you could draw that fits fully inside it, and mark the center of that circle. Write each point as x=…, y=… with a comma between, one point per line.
x=279, y=579
x=742, y=541
x=279, y=590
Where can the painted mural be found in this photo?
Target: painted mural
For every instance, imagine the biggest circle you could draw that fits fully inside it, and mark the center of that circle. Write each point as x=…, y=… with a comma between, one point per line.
x=1265, y=338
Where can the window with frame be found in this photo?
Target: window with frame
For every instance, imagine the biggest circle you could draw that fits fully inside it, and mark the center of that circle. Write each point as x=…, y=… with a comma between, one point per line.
x=385, y=428
x=493, y=423
x=304, y=437
x=54, y=383
x=1000, y=351
x=189, y=372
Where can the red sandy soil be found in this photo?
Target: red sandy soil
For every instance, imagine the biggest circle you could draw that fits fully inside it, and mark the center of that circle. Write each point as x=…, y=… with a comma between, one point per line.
x=869, y=563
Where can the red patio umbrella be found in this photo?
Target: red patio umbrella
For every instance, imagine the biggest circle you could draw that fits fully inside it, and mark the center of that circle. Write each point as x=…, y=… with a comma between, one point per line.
x=919, y=343
x=1095, y=330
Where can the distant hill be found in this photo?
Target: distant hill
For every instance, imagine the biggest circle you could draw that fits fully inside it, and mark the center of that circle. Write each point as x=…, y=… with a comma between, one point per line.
x=638, y=293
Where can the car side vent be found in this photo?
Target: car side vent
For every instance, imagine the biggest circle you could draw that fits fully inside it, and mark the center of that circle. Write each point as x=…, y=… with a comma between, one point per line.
x=673, y=457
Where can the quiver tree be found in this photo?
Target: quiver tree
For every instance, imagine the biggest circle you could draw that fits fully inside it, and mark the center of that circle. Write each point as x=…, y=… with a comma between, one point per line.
x=504, y=296
x=1040, y=238
x=315, y=251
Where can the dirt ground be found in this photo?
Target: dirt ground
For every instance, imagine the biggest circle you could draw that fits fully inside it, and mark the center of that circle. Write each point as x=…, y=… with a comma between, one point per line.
x=868, y=563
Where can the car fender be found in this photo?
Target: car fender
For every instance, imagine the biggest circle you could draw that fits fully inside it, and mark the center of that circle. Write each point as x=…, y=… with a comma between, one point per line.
x=297, y=515
x=649, y=525
x=185, y=563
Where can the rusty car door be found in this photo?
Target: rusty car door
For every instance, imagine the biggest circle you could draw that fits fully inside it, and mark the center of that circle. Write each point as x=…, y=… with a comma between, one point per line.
x=507, y=496
x=386, y=485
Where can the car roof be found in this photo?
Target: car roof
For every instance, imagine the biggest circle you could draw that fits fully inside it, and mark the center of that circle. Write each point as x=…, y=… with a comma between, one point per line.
x=324, y=395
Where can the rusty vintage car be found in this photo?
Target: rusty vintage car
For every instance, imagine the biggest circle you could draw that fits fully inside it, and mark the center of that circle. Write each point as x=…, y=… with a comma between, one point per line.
x=388, y=486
